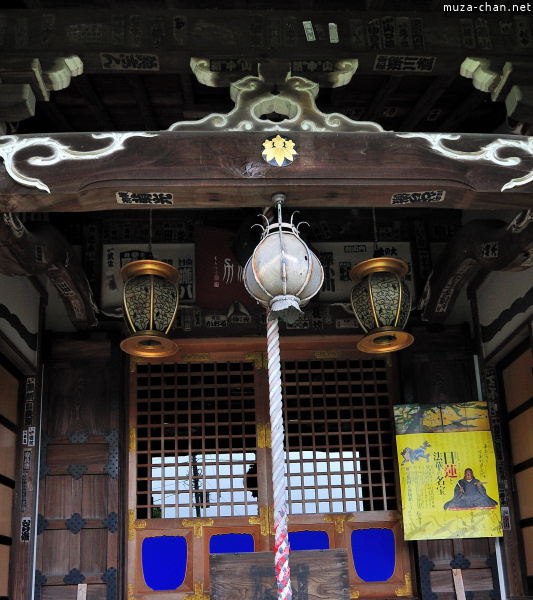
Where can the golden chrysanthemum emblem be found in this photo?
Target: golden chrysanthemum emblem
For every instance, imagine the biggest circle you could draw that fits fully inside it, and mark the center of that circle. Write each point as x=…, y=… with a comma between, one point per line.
x=279, y=151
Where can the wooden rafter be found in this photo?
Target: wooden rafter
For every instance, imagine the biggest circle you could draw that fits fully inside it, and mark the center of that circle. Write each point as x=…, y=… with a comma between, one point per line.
x=426, y=102
x=462, y=112
x=385, y=92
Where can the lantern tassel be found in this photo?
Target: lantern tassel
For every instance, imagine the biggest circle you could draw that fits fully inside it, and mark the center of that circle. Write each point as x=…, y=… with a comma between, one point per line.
x=286, y=307
x=281, y=535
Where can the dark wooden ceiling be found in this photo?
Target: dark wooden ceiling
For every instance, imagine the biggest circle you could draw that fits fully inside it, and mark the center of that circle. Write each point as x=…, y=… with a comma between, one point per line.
x=133, y=102
x=440, y=100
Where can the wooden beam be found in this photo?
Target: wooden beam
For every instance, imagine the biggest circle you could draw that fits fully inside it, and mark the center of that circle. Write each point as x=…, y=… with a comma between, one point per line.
x=17, y=101
x=44, y=251
x=487, y=244
x=187, y=88
x=25, y=70
x=462, y=112
x=164, y=40
x=187, y=169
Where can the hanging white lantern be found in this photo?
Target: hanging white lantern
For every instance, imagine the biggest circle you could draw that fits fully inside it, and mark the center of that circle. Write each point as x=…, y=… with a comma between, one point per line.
x=381, y=303
x=283, y=274
x=150, y=303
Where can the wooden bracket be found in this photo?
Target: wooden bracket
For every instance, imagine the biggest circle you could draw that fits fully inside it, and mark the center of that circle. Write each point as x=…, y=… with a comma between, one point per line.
x=198, y=593
x=260, y=359
x=339, y=519
x=131, y=595
x=265, y=520
x=133, y=439
x=198, y=525
x=133, y=524
x=407, y=589
x=264, y=439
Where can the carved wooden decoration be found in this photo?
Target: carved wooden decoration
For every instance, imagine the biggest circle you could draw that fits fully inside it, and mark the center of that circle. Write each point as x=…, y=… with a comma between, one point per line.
x=45, y=251
x=490, y=245
x=276, y=90
x=510, y=83
x=355, y=163
x=25, y=80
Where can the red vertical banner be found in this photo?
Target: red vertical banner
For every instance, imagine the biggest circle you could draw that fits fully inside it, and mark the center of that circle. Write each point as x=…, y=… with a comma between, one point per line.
x=219, y=282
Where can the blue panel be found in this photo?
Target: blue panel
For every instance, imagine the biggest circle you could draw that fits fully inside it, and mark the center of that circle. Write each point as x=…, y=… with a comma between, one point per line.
x=374, y=554
x=309, y=540
x=227, y=543
x=164, y=561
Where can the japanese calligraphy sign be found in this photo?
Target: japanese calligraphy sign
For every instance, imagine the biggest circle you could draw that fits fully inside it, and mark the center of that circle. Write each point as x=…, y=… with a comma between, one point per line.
x=115, y=256
x=447, y=471
x=337, y=258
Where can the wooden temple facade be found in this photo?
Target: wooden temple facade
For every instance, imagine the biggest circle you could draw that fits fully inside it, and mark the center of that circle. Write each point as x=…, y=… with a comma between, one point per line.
x=128, y=129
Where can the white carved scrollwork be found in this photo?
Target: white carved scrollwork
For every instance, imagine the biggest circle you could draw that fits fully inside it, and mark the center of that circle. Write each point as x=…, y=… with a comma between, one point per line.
x=490, y=152
x=11, y=145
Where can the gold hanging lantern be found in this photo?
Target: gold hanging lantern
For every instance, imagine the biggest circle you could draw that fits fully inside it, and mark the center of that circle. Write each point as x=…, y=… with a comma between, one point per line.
x=150, y=304
x=381, y=303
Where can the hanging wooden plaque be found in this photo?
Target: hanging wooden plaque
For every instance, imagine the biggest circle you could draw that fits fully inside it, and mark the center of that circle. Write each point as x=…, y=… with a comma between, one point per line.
x=315, y=575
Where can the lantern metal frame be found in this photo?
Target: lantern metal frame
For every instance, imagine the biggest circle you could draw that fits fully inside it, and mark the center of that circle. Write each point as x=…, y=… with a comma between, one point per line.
x=382, y=339
x=273, y=264
x=149, y=342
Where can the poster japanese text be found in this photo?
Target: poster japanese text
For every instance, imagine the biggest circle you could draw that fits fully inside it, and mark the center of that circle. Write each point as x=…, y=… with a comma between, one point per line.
x=447, y=472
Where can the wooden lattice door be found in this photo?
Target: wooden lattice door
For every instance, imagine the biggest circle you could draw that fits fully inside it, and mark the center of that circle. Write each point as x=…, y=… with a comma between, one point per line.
x=200, y=462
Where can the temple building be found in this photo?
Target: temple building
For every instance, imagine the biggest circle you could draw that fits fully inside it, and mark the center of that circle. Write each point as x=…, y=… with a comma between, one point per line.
x=387, y=147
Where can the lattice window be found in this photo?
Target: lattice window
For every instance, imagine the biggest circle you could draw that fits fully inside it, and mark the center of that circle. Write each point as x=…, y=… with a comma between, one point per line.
x=338, y=432
x=196, y=440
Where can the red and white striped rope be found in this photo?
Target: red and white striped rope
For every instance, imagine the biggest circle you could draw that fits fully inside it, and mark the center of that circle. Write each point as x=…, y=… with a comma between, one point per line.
x=279, y=478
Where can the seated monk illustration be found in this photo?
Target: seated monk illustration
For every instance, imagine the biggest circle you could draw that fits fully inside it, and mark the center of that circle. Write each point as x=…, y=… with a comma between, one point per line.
x=470, y=493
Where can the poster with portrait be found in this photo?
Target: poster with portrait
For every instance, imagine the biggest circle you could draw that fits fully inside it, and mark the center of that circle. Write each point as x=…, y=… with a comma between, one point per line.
x=447, y=471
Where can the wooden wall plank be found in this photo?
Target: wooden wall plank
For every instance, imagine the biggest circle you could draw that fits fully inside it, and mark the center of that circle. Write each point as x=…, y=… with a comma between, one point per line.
x=95, y=496
x=70, y=592
x=56, y=552
x=93, y=545
x=61, y=455
x=58, y=502
x=4, y=570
